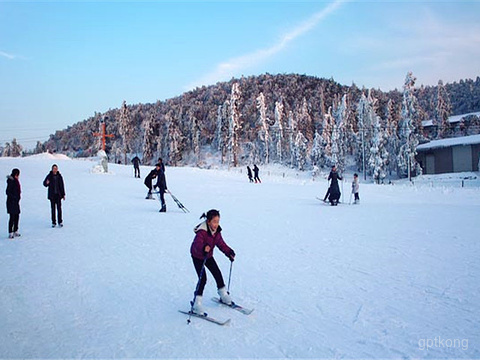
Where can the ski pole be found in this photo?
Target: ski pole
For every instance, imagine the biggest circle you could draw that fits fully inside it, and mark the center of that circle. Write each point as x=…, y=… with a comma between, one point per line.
x=342, y=190
x=229, y=277
x=196, y=289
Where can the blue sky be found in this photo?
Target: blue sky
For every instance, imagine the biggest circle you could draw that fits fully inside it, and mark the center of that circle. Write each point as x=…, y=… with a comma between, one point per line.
x=60, y=62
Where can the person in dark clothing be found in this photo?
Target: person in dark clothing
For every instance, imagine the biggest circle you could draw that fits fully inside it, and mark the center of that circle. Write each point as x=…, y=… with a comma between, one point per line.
x=56, y=193
x=13, y=192
x=207, y=236
x=256, y=170
x=249, y=173
x=162, y=186
x=162, y=165
x=334, y=188
x=136, y=166
x=149, y=179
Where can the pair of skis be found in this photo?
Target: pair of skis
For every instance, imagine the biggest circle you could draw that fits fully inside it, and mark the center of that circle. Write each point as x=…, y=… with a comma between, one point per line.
x=233, y=306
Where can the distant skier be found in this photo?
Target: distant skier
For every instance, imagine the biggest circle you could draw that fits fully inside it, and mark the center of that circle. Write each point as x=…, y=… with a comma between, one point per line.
x=13, y=202
x=207, y=236
x=149, y=179
x=136, y=166
x=162, y=186
x=56, y=193
x=355, y=189
x=249, y=173
x=256, y=170
x=334, y=189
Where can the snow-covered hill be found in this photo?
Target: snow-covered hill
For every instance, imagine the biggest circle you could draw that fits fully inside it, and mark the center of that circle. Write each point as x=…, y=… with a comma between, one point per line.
x=395, y=277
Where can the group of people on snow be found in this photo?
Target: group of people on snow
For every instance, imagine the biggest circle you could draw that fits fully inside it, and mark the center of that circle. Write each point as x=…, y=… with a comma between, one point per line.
x=252, y=178
x=333, y=192
x=56, y=193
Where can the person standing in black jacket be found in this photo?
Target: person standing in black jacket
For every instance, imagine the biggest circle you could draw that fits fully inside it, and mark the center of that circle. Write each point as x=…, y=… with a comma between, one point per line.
x=162, y=186
x=13, y=202
x=334, y=194
x=56, y=193
x=136, y=166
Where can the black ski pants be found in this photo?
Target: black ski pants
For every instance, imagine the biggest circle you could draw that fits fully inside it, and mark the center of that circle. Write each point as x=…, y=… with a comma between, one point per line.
x=13, y=223
x=56, y=207
x=137, y=171
x=211, y=265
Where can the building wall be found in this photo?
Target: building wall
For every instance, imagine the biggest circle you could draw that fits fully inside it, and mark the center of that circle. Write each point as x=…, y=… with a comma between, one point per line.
x=443, y=160
x=462, y=158
x=475, y=156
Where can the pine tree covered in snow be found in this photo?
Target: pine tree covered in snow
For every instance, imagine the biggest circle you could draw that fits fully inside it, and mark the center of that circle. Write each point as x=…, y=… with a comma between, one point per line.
x=378, y=159
x=292, y=129
x=339, y=116
x=278, y=131
x=126, y=129
x=327, y=131
x=316, y=152
x=393, y=143
x=234, y=125
x=407, y=165
x=264, y=132
x=149, y=138
x=443, y=111
x=301, y=147
x=12, y=150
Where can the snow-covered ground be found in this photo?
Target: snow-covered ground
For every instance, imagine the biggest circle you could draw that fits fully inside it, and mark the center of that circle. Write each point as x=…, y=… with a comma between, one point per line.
x=395, y=277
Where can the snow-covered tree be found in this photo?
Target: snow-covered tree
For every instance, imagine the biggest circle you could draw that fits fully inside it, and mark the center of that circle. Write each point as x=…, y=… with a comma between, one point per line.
x=278, y=130
x=408, y=133
x=221, y=131
x=316, y=152
x=301, y=147
x=39, y=148
x=234, y=124
x=264, y=133
x=327, y=131
x=339, y=115
x=12, y=150
x=378, y=159
x=196, y=139
x=393, y=143
x=126, y=129
x=443, y=109
x=149, y=137
x=292, y=129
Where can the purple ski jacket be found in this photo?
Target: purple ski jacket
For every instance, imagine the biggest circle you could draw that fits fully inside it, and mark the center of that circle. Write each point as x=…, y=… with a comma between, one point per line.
x=203, y=237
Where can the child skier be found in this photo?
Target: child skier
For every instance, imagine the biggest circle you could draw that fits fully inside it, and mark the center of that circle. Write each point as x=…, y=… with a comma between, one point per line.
x=149, y=179
x=207, y=236
x=355, y=188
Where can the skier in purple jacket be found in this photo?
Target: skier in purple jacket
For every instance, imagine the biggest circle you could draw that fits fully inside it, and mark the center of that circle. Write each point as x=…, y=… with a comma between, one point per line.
x=207, y=236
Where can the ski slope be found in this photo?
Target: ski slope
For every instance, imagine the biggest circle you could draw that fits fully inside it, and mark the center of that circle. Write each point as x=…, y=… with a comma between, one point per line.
x=394, y=277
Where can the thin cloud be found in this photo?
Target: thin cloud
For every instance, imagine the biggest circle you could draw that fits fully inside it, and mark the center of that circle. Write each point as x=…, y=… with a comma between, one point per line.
x=227, y=69
x=7, y=55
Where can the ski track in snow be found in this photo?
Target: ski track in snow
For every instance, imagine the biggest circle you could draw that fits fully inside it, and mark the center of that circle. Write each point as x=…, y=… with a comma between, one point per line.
x=364, y=281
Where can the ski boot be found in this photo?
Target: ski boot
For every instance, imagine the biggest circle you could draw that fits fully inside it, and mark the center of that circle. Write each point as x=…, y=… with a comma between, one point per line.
x=224, y=296
x=197, y=307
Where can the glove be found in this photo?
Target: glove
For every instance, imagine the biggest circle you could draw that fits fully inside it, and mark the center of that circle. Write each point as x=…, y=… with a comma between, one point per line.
x=206, y=249
x=231, y=255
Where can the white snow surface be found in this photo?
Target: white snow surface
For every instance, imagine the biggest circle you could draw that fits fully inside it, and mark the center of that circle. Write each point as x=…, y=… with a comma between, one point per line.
x=397, y=276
